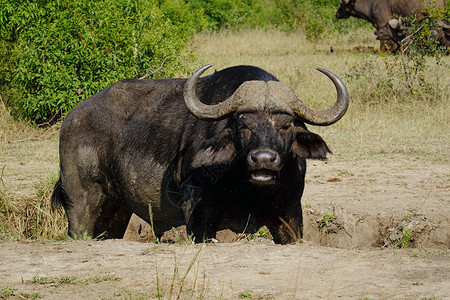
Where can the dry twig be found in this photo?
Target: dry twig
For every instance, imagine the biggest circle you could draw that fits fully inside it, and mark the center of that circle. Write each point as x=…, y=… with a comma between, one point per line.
x=151, y=72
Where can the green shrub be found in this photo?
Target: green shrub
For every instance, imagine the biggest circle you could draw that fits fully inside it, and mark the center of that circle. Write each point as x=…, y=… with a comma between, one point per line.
x=317, y=18
x=180, y=12
x=421, y=37
x=219, y=13
x=396, y=79
x=54, y=54
x=57, y=53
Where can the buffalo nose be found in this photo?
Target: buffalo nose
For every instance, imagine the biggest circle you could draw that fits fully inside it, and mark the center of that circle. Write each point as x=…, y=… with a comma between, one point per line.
x=264, y=158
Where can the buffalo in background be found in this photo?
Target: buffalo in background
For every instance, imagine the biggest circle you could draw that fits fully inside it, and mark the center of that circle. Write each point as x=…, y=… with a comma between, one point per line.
x=385, y=16
x=227, y=150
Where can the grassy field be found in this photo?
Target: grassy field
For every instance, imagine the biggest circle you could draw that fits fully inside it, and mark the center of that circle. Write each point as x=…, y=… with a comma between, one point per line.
x=385, y=121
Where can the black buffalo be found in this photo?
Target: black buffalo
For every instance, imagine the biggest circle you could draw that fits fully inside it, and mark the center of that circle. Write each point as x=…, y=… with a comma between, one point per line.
x=223, y=151
x=383, y=13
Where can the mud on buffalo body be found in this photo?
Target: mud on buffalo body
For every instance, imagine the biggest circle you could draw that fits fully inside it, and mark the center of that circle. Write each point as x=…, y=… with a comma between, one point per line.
x=223, y=151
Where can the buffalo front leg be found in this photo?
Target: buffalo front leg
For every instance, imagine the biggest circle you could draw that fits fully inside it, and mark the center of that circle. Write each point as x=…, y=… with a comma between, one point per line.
x=201, y=220
x=287, y=228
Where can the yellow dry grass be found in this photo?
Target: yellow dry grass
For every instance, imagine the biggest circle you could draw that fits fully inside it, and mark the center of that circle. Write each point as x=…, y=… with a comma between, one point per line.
x=28, y=170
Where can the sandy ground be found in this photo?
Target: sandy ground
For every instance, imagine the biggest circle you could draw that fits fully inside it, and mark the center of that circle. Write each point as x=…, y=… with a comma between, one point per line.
x=131, y=270
x=375, y=205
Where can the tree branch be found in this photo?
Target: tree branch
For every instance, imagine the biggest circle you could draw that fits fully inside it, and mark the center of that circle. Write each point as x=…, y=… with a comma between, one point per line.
x=151, y=72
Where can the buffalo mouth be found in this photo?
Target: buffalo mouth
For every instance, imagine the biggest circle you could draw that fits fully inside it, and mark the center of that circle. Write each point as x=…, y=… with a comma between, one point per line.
x=263, y=176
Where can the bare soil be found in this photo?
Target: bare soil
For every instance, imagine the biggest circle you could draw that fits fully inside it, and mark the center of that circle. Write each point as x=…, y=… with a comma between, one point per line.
x=118, y=269
x=377, y=206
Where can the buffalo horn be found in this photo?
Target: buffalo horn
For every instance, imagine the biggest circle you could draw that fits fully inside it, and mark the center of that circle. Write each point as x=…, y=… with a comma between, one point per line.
x=328, y=116
x=201, y=110
x=393, y=23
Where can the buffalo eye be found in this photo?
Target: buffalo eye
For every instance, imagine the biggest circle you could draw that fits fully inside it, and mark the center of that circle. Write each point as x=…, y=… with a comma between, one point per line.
x=245, y=133
x=282, y=122
x=247, y=121
x=284, y=130
x=284, y=127
x=247, y=124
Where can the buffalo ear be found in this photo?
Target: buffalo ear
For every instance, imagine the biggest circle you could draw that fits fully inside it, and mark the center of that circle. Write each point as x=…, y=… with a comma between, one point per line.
x=309, y=145
x=210, y=156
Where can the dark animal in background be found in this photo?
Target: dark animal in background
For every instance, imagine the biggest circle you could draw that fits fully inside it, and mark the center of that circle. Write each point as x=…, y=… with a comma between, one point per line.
x=223, y=151
x=395, y=31
x=381, y=14
x=391, y=35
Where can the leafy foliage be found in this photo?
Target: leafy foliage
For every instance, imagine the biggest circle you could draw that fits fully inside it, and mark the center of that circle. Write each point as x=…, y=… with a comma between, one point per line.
x=316, y=18
x=54, y=54
x=422, y=37
x=400, y=78
x=326, y=219
x=57, y=53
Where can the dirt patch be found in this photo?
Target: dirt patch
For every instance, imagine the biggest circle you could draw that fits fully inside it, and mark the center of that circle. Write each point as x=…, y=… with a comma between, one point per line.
x=378, y=203
x=117, y=269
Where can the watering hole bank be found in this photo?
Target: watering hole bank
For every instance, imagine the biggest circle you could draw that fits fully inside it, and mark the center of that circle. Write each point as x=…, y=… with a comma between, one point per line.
x=363, y=204
x=337, y=228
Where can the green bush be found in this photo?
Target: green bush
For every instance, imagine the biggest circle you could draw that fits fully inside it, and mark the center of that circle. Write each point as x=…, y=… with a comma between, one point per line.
x=397, y=78
x=317, y=18
x=57, y=53
x=421, y=37
x=54, y=54
x=219, y=13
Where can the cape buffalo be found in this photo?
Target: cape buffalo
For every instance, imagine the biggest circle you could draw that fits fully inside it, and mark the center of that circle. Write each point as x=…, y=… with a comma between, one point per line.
x=380, y=12
x=223, y=151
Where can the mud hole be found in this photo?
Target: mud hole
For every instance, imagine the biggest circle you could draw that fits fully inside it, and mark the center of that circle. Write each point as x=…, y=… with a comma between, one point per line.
x=359, y=205
x=372, y=230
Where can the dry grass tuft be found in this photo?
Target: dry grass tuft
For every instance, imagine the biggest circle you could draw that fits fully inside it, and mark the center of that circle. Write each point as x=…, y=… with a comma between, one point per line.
x=23, y=218
x=27, y=157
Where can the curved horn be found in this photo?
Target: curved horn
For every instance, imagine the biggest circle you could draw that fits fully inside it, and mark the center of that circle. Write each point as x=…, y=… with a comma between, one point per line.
x=328, y=116
x=199, y=109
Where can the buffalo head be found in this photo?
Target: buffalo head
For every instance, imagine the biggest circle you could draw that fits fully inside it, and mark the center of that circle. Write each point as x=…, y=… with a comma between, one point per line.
x=265, y=127
x=391, y=35
x=346, y=9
